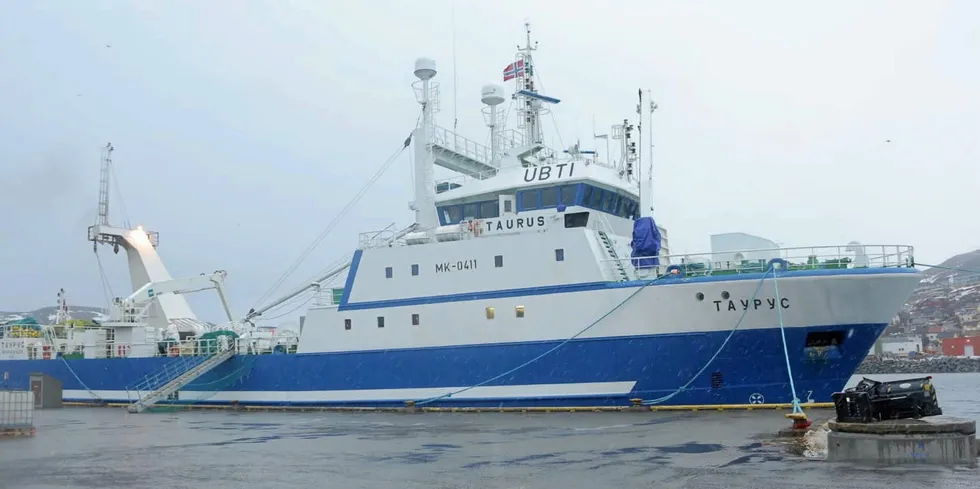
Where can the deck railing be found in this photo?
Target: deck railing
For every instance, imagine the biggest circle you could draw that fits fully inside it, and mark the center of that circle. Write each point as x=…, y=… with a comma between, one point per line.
x=760, y=260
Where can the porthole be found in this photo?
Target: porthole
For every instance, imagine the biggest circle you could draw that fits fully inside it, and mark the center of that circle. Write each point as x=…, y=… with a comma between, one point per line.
x=725, y=295
x=699, y=296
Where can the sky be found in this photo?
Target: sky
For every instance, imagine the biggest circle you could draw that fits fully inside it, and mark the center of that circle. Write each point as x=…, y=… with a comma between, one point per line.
x=241, y=129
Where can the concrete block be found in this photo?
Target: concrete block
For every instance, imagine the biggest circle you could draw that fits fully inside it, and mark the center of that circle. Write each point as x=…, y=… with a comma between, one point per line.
x=936, y=440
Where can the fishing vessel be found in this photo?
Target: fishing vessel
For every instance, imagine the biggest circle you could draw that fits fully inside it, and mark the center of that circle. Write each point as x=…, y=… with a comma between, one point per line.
x=531, y=277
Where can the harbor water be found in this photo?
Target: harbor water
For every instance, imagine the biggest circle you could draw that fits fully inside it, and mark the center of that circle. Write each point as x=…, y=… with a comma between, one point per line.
x=106, y=447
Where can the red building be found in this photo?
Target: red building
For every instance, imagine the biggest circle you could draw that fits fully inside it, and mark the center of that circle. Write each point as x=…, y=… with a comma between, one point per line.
x=958, y=347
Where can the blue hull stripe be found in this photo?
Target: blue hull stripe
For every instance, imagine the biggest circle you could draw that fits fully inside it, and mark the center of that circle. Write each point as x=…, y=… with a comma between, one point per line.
x=751, y=363
x=587, y=286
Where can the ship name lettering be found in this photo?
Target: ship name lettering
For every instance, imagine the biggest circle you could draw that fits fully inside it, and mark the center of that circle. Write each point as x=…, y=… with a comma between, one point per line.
x=455, y=266
x=545, y=173
x=754, y=304
x=514, y=223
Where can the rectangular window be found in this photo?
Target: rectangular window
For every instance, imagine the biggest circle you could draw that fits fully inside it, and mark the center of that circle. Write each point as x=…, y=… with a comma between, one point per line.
x=508, y=206
x=415, y=269
x=568, y=194
x=381, y=321
x=489, y=313
x=498, y=261
x=609, y=202
x=452, y=214
x=415, y=319
x=549, y=197
x=347, y=324
x=388, y=272
x=489, y=209
x=595, y=200
x=560, y=254
x=576, y=219
x=519, y=311
x=469, y=211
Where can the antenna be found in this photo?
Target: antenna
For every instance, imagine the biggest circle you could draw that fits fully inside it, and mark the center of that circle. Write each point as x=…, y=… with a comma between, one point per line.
x=455, y=79
x=653, y=107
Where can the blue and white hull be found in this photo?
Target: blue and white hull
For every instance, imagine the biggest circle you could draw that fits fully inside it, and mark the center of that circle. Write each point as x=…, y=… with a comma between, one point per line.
x=648, y=348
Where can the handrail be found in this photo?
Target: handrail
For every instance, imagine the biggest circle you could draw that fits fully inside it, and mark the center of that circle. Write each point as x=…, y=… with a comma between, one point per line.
x=464, y=146
x=757, y=260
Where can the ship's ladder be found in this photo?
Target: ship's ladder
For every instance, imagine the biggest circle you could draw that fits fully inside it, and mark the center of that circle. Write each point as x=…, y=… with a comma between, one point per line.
x=607, y=243
x=174, y=376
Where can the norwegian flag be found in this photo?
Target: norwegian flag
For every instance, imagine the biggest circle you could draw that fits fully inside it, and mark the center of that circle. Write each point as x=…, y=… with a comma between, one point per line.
x=514, y=70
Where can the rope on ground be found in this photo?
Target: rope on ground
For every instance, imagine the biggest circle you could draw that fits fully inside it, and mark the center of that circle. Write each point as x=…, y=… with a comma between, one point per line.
x=535, y=359
x=738, y=324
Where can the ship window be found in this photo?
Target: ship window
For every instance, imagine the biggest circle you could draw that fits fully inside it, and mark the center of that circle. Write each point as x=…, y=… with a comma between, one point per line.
x=549, y=197
x=586, y=194
x=595, y=201
x=452, y=214
x=489, y=313
x=415, y=269
x=347, y=324
x=489, y=209
x=498, y=261
x=381, y=321
x=508, y=206
x=609, y=202
x=469, y=211
x=560, y=254
x=576, y=219
x=519, y=311
x=415, y=319
x=567, y=194
x=388, y=272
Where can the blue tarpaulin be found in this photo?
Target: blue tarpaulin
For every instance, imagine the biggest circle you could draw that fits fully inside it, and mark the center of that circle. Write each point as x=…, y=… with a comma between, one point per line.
x=646, y=243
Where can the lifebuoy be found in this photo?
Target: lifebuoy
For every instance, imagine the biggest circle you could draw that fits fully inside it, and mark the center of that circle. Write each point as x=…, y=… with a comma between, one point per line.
x=777, y=264
x=674, y=271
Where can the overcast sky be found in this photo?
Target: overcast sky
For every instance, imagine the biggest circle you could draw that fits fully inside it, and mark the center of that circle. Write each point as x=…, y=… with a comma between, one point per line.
x=242, y=128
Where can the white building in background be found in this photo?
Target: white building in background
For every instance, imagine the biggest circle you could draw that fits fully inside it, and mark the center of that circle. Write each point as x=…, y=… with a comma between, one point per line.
x=902, y=345
x=725, y=247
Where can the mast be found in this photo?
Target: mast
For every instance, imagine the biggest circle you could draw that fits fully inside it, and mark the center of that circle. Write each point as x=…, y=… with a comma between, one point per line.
x=646, y=196
x=425, y=192
x=529, y=107
x=103, y=216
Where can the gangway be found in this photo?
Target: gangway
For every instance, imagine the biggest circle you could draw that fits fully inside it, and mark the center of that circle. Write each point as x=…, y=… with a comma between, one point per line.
x=175, y=376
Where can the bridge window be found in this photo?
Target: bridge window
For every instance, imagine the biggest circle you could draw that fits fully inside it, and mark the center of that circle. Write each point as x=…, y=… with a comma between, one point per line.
x=469, y=211
x=567, y=194
x=415, y=269
x=549, y=197
x=498, y=261
x=388, y=272
x=453, y=214
x=415, y=319
x=381, y=321
x=347, y=324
